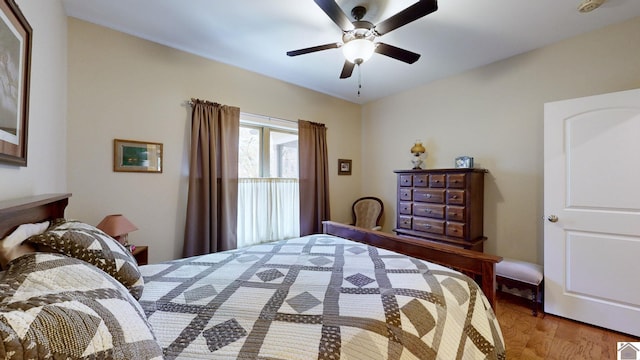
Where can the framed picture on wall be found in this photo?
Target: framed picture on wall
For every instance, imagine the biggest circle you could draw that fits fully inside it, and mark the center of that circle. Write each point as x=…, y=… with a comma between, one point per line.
x=15, y=67
x=344, y=167
x=137, y=156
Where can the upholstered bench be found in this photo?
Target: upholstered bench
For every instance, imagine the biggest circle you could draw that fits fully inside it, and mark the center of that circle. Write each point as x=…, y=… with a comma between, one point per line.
x=521, y=275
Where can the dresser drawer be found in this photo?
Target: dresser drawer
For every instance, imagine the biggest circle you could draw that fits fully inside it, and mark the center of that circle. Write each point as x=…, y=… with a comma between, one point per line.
x=429, y=195
x=428, y=210
x=456, y=229
x=456, y=181
x=455, y=213
x=406, y=180
x=437, y=180
x=428, y=225
x=421, y=180
x=405, y=208
x=404, y=222
x=455, y=197
x=405, y=194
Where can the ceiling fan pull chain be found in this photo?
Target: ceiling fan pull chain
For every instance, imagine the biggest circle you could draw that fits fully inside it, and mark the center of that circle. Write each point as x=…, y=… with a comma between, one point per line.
x=359, y=80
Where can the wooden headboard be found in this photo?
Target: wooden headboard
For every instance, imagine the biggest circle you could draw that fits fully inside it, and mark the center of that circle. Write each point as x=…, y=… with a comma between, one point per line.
x=31, y=209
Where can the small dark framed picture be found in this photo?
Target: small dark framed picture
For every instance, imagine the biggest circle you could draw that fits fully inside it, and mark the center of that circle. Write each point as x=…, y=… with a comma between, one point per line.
x=464, y=162
x=344, y=167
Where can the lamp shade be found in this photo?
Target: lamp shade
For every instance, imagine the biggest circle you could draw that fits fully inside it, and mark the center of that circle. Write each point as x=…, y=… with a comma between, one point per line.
x=358, y=51
x=116, y=225
x=417, y=148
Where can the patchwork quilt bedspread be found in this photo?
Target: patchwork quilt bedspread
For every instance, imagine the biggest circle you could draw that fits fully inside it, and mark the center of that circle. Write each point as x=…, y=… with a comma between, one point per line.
x=317, y=296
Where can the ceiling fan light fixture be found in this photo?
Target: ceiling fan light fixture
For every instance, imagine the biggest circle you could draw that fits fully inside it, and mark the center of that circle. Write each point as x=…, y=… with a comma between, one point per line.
x=358, y=51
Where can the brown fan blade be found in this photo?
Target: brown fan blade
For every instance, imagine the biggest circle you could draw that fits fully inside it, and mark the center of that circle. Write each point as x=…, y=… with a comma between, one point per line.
x=397, y=53
x=347, y=69
x=313, y=49
x=412, y=13
x=335, y=13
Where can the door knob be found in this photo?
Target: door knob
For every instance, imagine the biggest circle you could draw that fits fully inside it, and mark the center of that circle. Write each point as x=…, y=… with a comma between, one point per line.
x=552, y=218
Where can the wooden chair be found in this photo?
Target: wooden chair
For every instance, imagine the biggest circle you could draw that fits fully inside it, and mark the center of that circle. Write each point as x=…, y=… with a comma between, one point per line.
x=367, y=212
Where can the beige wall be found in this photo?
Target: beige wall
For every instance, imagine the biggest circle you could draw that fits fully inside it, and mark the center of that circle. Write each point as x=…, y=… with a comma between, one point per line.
x=123, y=87
x=128, y=88
x=46, y=152
x=495, y=114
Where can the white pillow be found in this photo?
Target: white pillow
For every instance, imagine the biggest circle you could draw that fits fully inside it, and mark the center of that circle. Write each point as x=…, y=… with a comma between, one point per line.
x=11, y=247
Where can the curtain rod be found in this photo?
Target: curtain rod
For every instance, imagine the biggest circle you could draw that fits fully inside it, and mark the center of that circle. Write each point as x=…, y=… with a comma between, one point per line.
x=190, y=103
x=268, y=117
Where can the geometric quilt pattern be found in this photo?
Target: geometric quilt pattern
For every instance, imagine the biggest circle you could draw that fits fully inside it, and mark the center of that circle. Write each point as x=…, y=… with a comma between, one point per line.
x=54, y=306
x=321, y=297
x=88, y=243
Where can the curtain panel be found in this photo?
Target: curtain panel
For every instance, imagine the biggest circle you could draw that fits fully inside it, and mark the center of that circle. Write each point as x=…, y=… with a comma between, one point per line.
x=314, y=176
x=211, y=223
x=268, y=210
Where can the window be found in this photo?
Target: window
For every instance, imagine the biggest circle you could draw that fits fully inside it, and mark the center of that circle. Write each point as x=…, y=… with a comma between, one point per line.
x=266, y=152
x=268, y=192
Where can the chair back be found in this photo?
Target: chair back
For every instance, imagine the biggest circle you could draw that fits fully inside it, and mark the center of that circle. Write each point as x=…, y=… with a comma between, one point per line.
x=367, y=212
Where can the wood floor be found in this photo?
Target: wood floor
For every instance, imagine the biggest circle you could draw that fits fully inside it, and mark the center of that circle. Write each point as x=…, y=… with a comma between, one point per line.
x=552, y=337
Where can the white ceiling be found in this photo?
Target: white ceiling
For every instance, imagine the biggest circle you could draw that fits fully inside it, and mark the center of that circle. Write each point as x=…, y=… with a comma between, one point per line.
x=256, y=34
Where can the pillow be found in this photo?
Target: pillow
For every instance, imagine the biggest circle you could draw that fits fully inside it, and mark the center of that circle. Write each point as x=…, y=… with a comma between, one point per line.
x=85, y=242
x=53, y=306
x=11, y=247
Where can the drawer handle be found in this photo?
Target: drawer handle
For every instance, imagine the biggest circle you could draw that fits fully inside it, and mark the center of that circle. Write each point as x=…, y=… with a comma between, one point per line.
x=437, y=181
x=455, y=181
x=428, y=196
x=454, y=230
x=428, y=226
x=454, y=196
x=429, y=211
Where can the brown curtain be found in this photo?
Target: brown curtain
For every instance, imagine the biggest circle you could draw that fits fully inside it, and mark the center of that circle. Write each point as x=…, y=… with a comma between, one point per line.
x=314, y=177
x=213, y=179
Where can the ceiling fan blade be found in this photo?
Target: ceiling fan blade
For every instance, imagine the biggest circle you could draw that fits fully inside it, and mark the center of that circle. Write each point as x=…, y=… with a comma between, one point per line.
x=313, y=49
x=412, y=13
x=335, y=13
x=347, y=69
x=397, y=53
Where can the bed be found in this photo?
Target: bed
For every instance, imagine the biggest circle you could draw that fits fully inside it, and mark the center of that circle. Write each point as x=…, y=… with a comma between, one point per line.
x=348, y=293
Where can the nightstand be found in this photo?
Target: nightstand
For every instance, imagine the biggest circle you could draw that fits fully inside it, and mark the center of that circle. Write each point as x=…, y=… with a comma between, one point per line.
x=141, y=254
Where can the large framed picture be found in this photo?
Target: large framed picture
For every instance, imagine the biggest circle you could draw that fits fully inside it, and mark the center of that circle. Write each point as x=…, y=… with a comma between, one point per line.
x=137, y=156
x=15, y=64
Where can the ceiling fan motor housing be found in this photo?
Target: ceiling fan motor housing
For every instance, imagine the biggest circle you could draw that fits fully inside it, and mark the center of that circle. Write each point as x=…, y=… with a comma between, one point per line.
x=358, y=12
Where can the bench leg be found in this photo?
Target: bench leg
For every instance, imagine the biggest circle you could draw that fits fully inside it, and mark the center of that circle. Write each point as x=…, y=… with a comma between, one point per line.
x=535, y=301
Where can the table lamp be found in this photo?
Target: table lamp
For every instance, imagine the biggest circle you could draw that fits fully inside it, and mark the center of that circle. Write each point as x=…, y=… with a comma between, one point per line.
x=417, y=150
x=118, y=227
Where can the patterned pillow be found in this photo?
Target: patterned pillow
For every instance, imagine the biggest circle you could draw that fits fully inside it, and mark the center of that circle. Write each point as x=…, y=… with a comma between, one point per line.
x=56, y=307
x=11, y=247
x=88, y=243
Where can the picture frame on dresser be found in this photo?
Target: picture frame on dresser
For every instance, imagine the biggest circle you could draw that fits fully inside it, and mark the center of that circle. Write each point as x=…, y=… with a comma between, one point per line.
x=15, y=70
x=464, y=162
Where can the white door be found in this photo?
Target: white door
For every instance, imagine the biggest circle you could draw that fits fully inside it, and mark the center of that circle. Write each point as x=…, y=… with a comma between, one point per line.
x=592, y=188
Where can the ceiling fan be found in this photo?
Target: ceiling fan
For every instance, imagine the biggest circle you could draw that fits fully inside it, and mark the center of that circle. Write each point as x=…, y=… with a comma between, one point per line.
x=358, y=36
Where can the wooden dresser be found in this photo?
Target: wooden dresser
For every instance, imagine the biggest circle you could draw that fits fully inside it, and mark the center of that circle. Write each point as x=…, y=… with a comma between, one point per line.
x=442, y=205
